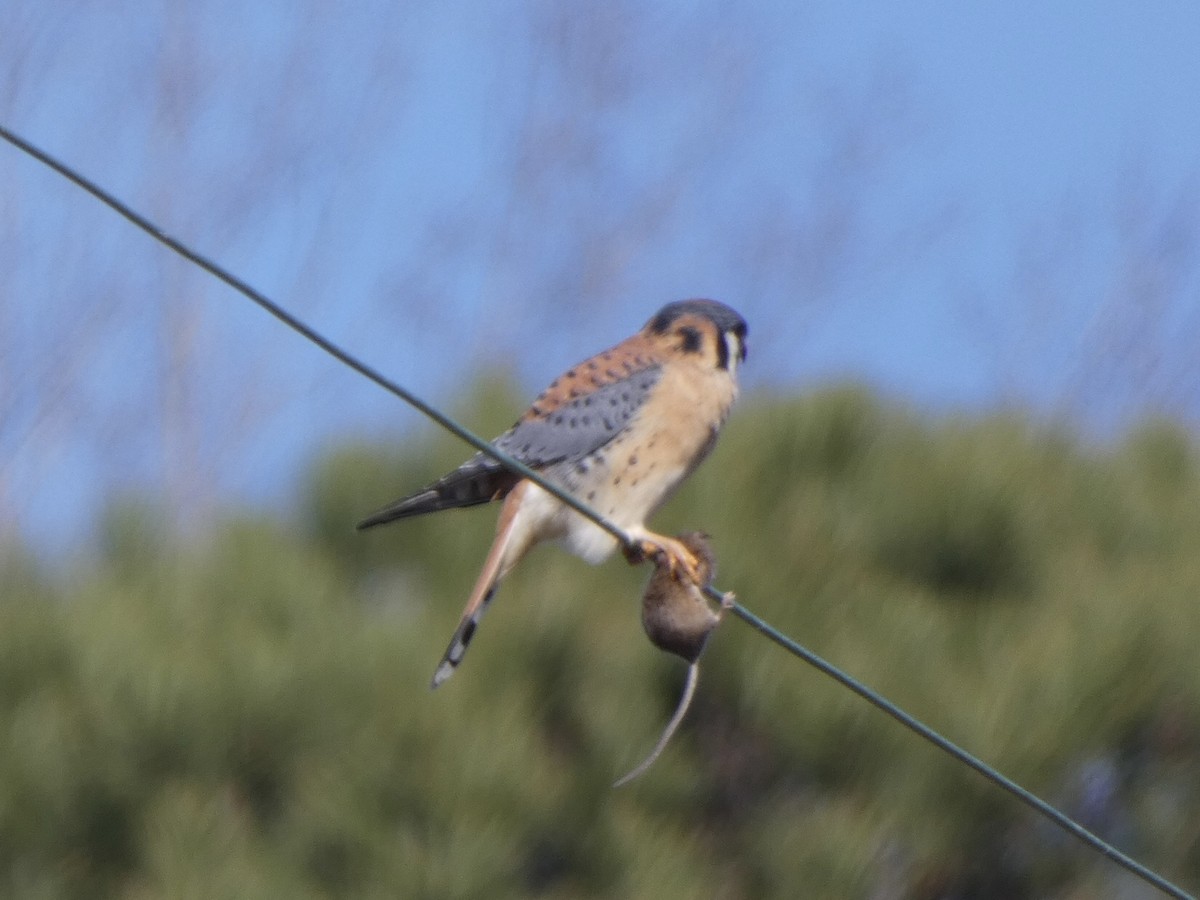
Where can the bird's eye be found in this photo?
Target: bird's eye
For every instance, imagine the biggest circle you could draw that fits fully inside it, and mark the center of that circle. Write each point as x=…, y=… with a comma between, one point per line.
x=691, y=339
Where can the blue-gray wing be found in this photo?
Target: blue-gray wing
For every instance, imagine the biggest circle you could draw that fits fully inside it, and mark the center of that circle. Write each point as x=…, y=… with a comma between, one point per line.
x=580, y=426
x=567, y=431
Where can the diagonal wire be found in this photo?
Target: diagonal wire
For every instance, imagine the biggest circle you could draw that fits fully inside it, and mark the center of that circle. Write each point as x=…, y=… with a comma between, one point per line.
x=311, y=334
x=912, y=723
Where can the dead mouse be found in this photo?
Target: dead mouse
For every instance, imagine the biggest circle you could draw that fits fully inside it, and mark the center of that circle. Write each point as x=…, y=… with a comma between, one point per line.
x=677, y=618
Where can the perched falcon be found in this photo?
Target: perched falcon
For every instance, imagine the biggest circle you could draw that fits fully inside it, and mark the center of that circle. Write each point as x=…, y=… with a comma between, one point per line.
x=619, y=431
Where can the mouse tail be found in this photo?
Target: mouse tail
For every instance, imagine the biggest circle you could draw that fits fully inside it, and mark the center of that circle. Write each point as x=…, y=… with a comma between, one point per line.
x=689, y=689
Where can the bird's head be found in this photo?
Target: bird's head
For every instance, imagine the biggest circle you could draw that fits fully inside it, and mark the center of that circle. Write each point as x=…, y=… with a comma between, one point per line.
x=712, y=331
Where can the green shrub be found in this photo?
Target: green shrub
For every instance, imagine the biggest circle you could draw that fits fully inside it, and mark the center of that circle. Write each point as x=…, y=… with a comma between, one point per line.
x=244, y=712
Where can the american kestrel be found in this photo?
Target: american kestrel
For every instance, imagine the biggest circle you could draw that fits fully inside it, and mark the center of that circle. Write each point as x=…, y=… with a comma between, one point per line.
x=619, y=431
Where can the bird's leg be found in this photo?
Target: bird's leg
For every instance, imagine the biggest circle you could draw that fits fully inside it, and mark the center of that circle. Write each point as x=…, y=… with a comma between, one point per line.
x=645, y=545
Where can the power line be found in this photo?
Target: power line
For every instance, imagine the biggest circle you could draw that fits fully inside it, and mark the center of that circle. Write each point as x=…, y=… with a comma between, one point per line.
x=311, y=334
x=344, y=356
x=916, y=725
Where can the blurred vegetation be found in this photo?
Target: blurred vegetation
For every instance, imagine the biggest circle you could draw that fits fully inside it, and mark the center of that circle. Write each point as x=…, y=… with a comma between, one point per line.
x=245, y=712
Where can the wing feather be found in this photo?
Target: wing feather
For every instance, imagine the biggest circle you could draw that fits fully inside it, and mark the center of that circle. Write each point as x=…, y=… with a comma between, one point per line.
x=566, y=431
x=582, y=425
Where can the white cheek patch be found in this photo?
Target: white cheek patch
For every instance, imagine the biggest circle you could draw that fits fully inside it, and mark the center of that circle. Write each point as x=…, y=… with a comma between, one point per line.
x=733, y=350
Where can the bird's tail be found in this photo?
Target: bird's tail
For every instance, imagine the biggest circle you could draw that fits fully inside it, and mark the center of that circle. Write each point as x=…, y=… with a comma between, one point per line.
x=462, y=635
x=507, y=549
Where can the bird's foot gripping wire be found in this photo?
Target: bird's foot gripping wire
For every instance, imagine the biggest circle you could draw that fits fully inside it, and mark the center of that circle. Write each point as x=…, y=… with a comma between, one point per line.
x=680, y=561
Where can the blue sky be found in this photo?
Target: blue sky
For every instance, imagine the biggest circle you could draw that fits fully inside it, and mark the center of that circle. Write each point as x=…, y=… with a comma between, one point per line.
x=967, y=205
